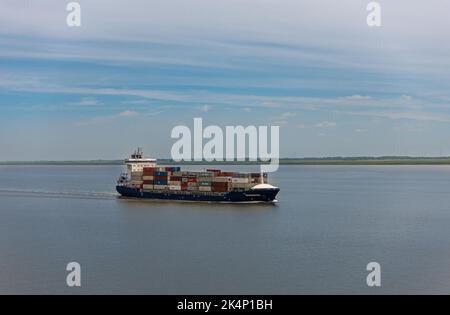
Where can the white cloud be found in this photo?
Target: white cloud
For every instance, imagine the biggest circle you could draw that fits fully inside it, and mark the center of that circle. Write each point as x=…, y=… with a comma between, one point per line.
x=279, y=123
x=326, y=124
x=400, y=107
x=87, y=101
x=288, y=115
x=358, y=97
x=205, y=108
x=128, y=113
x=105, y=119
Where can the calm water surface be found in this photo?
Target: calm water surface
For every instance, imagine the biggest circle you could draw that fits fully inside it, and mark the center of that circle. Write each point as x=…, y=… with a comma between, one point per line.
x=329, y=223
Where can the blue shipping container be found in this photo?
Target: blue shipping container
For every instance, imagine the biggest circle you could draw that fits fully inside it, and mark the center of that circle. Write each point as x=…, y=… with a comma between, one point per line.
x=160, y=182
x=160, y=173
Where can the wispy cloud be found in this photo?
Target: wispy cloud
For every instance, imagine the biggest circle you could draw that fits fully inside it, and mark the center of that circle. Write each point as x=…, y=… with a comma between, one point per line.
x=205, y=108
x=326, y=124
x=288, y=115
x=401, y=107
x=87, y=101
x=128, y=113
x=107, y=118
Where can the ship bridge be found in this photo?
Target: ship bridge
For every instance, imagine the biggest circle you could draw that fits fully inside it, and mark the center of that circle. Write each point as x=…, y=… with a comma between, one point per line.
x=137, y=162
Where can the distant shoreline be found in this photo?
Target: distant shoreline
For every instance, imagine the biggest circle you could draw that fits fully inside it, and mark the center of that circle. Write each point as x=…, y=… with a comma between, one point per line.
x=284, y=161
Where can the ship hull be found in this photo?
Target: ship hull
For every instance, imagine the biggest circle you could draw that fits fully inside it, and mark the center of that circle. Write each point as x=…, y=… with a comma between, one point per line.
x=249, y=196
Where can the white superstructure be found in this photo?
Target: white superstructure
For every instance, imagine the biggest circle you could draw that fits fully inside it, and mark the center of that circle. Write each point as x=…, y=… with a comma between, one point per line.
x=137, y=162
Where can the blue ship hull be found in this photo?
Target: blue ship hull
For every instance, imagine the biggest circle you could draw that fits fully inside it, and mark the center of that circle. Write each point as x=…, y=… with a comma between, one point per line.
x=253, y=195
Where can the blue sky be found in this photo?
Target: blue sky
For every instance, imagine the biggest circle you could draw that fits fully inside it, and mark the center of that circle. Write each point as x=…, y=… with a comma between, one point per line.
x=131, y=73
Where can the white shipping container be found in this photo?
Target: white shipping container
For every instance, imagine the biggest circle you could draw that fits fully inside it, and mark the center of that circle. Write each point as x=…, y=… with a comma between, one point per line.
x=204, y=188
x=148, y=177
x=242, y=185
x=222, y=179
x=174, y=187
x=149, y=187
x=239, y=180
x=174, y=182
x=160, y=187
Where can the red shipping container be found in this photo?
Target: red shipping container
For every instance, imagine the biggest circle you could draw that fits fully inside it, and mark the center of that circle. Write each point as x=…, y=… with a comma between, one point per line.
x=215, y=189
x=192, y=180
x=148, y=182
x=226, y=174
x=175, y=178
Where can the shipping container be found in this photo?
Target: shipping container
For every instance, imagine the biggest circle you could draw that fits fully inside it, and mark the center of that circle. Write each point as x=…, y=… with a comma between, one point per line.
x=221, y=179
x=220, y=184
x=148, y=182
x=242, y=186
x=204, y=179
x=204, y=174
x=226, y=174
x=161, y=173
x=174, y=187
x=239, y=180
x=160, y=187
x=148, y=177
x=160, y=182
x=147, y=187
x=174, y=182
x=203, y=183
x=204, y=188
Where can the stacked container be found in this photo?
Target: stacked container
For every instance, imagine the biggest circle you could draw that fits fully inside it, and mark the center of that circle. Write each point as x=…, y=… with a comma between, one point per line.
x=213, y=180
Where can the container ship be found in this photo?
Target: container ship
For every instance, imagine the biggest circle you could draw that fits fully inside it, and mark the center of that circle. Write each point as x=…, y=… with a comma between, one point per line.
x=144, y=179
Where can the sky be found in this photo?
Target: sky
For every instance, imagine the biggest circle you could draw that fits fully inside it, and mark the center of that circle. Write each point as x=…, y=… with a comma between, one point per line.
x=135, y=70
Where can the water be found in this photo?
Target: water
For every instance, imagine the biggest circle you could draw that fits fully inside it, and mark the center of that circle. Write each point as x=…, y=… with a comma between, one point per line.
x=330, y=222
